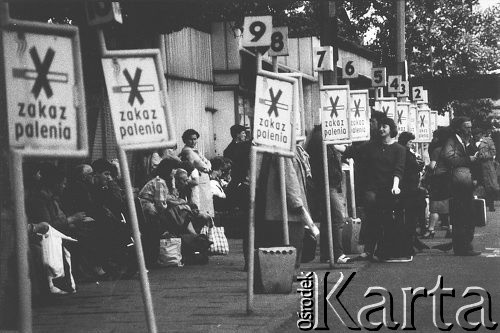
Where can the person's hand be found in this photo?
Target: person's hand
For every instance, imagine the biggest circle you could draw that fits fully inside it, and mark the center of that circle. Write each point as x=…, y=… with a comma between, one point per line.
x=77, y=217
x=41, y=228
x=473, y=158
x=395, y=190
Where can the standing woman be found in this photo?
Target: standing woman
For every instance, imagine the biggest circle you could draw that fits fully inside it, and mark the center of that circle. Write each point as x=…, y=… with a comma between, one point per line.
x=201, y=192
x=487, y=166
x=438, y=182
x=386, y=159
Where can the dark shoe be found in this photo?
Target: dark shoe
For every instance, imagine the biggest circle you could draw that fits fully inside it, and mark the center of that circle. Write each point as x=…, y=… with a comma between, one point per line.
x=468, y=254
x=444, y=247
x=429, y=234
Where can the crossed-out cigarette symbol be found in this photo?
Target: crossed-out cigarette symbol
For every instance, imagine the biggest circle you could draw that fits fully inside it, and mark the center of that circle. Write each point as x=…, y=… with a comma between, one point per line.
x=273, y=103
x=41, y=73
x=134, y=89
x=334, y=107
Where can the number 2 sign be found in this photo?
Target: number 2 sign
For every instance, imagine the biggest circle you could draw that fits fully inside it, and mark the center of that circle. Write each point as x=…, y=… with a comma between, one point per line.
x=323, y=58
x=417, y=93
x=279, y=42
x=257, y=31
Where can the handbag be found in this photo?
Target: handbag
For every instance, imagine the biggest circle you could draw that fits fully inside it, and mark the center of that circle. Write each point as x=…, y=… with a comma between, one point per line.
x=217, y=237
x=170, y=253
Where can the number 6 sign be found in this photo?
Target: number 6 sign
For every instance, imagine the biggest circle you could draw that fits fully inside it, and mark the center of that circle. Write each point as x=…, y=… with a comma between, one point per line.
x=279, y=42
x=349, y=68
x=257, y=31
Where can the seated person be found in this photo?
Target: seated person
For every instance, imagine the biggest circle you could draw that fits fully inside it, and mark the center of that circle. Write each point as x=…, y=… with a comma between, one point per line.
x=44, y=205
x=161, y=204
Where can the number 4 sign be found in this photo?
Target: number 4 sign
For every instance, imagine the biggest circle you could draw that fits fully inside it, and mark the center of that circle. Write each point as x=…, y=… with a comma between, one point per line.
x=394, y=82
x=323, y=58
x=279, y=42
x=257, y=31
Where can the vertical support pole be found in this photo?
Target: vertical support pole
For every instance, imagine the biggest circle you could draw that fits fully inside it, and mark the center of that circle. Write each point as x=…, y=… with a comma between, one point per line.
x=351, y=185
x=146, y=292
x=251, y=229
x=327, y=205
x=24, y=288
x=281, y=164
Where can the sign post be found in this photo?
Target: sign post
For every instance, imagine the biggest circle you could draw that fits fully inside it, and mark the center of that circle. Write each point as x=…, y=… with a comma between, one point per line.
x=45, y=103
x=336, y=129
x=276, y=102
x=141, y=118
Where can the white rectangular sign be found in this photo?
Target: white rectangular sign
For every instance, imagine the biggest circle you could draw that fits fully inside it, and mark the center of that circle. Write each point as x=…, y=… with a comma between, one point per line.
x=360, y=115
x=135, y=100
x=40, y=82
x=402, y=117
x=335, y=113
x=323, y=58
x=273, y=120
x=412, y=119
x=423, y=125
x=444, y=120
x=387, y=105
x=257, y=31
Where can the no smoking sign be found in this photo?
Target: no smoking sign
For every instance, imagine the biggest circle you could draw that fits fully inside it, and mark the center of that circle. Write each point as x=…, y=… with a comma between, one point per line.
x=40, y=81
x=135, y=100
x=273, y=113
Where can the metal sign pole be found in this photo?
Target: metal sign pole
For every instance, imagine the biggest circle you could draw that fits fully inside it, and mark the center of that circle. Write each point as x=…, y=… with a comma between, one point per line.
x=146, y=292
x=353, y=190
x=281, y=164
x=327, y=204
x=251, y=229
x=24, y=287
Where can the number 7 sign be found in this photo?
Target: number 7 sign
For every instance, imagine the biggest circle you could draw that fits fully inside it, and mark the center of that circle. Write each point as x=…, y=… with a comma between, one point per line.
x=323, y=58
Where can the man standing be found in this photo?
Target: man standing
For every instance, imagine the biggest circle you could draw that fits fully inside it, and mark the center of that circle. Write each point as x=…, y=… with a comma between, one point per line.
x=458, y=163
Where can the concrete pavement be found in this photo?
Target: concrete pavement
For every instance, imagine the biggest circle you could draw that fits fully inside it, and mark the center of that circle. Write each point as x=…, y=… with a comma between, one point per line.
x=212, y=298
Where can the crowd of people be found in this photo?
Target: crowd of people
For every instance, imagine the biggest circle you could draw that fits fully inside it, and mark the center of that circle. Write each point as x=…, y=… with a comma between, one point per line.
x=178, y=194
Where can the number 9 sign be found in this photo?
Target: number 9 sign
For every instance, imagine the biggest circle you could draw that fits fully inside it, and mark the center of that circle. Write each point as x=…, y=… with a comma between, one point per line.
x=349, y=68
x=279, y=42
x=257, y=31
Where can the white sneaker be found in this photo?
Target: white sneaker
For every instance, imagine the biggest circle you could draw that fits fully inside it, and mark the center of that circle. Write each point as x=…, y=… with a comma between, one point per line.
x=343, y=259
x=401, y=259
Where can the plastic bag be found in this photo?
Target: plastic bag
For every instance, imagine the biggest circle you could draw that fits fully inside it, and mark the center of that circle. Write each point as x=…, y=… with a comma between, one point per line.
x=217, y=237
x=170, y=252
x=52, y=252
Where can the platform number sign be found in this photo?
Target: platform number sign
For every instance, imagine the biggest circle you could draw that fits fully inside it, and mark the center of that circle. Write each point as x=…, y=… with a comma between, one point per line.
x=349, y=68
x=40, y=91
x=274, y=103
x=135, y=100
x=279, y=42
x=257, y=31
x=404, y=89
x=379, y=77
x=323, y=58
x=417, y=93
x=394, y=82
x=102, y=12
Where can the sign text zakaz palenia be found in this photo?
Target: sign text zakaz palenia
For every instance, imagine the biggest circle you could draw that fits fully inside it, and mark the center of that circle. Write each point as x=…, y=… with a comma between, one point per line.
x=310, y=302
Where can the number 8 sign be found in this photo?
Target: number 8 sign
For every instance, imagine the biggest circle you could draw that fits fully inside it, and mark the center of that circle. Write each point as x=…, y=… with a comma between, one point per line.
x=257, y=31
x=279, y=42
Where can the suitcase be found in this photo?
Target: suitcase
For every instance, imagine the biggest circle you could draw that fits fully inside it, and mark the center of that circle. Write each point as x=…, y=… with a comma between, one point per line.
x=479, y=211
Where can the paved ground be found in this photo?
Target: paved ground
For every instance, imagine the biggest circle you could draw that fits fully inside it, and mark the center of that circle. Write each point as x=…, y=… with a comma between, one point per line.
x=212, y=298
x=458, y=273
